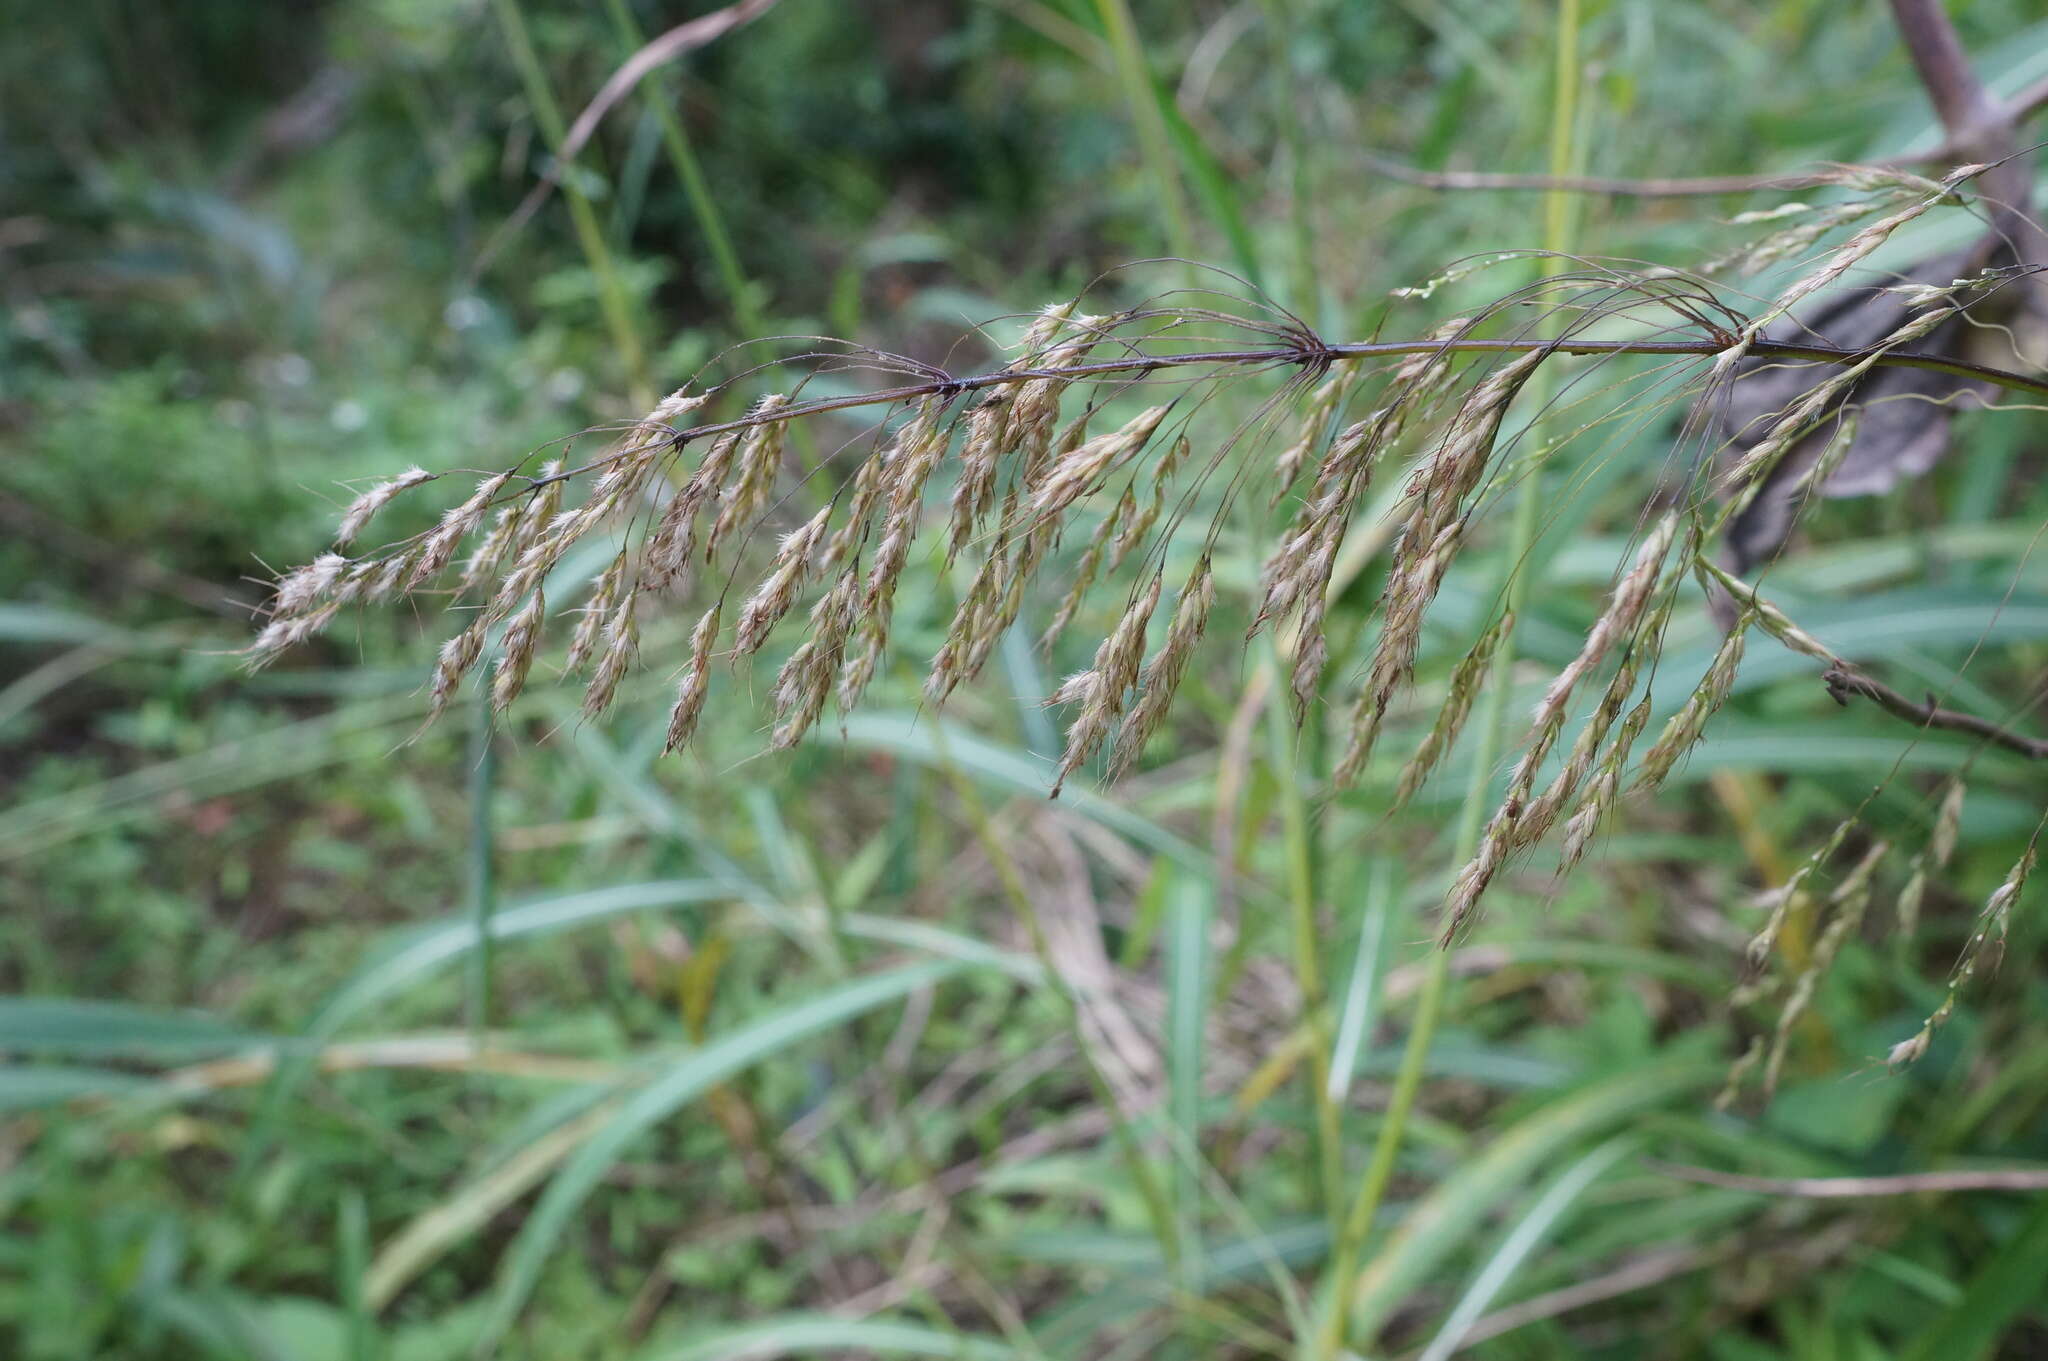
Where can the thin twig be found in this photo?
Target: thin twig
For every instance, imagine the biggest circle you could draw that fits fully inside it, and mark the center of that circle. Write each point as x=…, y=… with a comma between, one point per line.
x=1653, y=1269
x=2029, y=101
x=1845, y=681
x=1856, y=1188
x=1959, y=98
x=1978, y=126
x=1679, y=187
x=683, y=38
x=1316, y=353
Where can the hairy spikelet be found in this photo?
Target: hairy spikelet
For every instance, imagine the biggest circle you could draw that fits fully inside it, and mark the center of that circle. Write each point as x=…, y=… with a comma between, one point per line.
x=869, y=483
x=1602, y=790
x=515, y=530
x=1859, y=247
x=365, y=507
x=1162, y=674
x=1769, y=617
x=288, y=631
x=1077, y=470
x=516, y=652
x=778, y=593
x=691, y=690
x=1466, y=679
x=487, y=560
x=1036, y=411
x=1981, y=952
x=1684, y=729
x=1140, y=525
x=1624, y=614
x=907, y=469
x=1941, y=845
x=437, y=549
x=1101, y=690
x=1846, y=907
x=621, y=649
x=1783, y=898
x=759, y=459
x=1813, y=408
x=1323, y=403
x=805, y=681
x=308, y=587
x=604, y=597
x=1296, y=575
x=1007, y=418
x=458, y=655
x=1430, y=539
x=1111, y=527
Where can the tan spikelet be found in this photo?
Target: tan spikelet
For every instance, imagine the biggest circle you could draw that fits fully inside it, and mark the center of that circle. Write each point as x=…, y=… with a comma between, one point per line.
x=365, y=507
x=621, y=648
x=516, y=652
x=604, y=597
x=1162, y=674
x=696, y=682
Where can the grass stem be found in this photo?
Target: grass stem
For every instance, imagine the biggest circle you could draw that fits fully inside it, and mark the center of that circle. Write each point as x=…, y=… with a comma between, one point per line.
x=1490, y=733
x=611, y=291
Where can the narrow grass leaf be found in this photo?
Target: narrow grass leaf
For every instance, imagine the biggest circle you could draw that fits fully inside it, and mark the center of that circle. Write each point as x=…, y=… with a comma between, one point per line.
x=911, y=737
x=31, y=1087
x=1528, y=1233
x=1456, y=1207
x=2011, y=1281
x=1187, y=1004
x=1362, y=990
x=766, y=1035
x=811, y=1334
x=420, y=952
x=80, y=1027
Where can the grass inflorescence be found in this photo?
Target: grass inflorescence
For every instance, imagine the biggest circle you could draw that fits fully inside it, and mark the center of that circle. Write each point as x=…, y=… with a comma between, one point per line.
x=1099, y=415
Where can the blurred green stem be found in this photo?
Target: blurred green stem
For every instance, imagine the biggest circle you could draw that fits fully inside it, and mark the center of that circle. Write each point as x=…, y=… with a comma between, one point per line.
x=611, y=292
x=483, y=888
x=1307, y=299
x=1158, y=1206
x=1285, y=737
x=1143, y=96
x=1490, y=732
x=659, y=92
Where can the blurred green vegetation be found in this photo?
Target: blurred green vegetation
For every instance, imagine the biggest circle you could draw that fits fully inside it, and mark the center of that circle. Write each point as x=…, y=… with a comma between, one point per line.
x=766, y=1066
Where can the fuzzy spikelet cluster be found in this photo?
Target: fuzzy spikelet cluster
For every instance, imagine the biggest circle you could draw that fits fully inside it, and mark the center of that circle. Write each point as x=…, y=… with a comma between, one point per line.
x=1980, y=953
x=1940, y=848
x=1430, y=538
x=361, y=510
x=1162, y=674
x=1845, y=910
x=1102, y=692
x=1523, y=818
x=1015, y=417
x=1683, y=730
x=709, y=522
x=688, y=708
x=1077, y=471
x=1466, y=680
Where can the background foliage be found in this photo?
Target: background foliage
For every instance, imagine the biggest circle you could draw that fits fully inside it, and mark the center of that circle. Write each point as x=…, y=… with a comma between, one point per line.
x=761, y=1057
